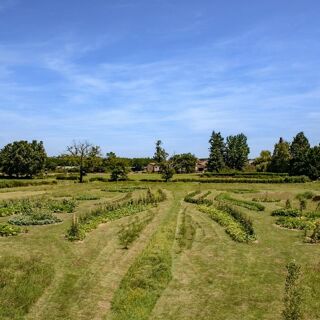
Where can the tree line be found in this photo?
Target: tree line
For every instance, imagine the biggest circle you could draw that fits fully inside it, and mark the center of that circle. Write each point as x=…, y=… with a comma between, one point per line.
x=27, y=159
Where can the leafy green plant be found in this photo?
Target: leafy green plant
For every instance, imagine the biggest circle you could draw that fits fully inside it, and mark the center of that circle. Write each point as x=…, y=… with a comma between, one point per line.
x=35, y=218
x=295, y=223
x=87, y=197
x=9, y=230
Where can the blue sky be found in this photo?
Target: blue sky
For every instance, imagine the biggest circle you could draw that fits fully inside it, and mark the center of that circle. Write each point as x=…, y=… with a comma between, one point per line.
x=125, y=73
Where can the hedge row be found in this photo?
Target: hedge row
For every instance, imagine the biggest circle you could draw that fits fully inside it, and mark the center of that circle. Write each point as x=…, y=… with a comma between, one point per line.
x=286, y=213
x=6, y=183
x=244, y=174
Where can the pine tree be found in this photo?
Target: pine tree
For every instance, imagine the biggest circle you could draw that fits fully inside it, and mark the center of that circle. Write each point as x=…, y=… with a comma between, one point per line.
x=216, y=157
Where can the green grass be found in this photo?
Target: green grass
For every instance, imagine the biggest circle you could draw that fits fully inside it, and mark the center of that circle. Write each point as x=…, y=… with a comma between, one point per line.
x=22, y=282
x=182, y=265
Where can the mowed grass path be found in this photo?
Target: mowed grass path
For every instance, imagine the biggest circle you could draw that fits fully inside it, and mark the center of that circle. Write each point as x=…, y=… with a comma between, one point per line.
x=216, y=278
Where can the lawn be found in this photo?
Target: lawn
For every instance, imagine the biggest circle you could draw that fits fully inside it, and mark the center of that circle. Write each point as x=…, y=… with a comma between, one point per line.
x=180, y=263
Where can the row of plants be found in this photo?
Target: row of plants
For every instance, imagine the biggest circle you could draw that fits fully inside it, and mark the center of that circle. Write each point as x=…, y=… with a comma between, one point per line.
x=148, y=276
x=130, y=232
x=286, y=212
x=124, y=189
x=28, y=206
x=225, y=197
x=256, y=175
x=87, y=197
x=9, y=230
x=112, y=211
x=293, y=179
x=186, y=232
x=265, y=198
x=35, y=218
x=233, y=227
x=7, y=183
x=190, y=197
x=67, y=177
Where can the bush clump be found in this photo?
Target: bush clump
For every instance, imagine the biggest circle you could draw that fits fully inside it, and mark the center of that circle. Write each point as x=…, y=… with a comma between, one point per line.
x=286, y=212
x=9, y=230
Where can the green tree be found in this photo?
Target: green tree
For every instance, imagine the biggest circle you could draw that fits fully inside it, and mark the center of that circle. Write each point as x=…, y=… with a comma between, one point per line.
x=138, y=164
x=237, y=151
x=293, y=293
x=217, y=149
x=23, y=159
x=81, y=151
x=160, y=154
x=167, y=171
x=183, y=163
x=119, y=170
x=262, y=163
x=299, y=150
x=313, y=163
x=280, y=157
x=94, y=161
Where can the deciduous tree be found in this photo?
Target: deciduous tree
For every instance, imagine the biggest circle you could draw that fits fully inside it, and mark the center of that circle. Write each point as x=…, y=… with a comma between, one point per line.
x=217, y=150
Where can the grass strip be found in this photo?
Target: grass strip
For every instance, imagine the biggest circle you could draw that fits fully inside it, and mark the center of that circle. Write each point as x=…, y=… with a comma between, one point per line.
x=225, y=197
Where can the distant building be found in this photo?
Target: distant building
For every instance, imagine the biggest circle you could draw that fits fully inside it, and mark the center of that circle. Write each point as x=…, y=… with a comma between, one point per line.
x=201, y=165
x=152, y=167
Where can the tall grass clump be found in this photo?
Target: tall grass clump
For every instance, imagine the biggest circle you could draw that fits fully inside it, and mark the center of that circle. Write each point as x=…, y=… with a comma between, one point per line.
x=22, y=282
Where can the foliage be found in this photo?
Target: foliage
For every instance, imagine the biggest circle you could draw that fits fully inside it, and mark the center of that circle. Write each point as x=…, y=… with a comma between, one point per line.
x=183, y=163
x=293, y=293
x=119, y=171
x=23, y=183
x=8, y=230
x=67, y=177
x=242, y=218
x=232, y=227
x=217, y=152
x=305, y=195
x=313, y=164
x=160, y=154
x=225, y=197
x=22, y=158
x=112, y=211
x=299, y=150
x=35, y=218
x=262, y=163
x=167, y=171
x=286, y=213
x=29, y=206
x=295, y=223
x=315, y=236
x=237, y=151
x=190, y=197
x=280, y=157
x=86, y=197
x=265, y=198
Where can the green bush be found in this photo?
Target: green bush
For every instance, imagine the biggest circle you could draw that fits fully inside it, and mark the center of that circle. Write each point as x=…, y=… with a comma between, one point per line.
x=8, y=230
x=305, y=195
x=87, y=197
x=65, y=177
x=7, y=183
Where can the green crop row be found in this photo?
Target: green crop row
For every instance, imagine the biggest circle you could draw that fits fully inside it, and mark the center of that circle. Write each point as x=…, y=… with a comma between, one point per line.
x=225, y=197
x=190, y=197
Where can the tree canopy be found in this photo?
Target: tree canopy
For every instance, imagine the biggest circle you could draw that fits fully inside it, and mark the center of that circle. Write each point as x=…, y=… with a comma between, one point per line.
x=217, y=149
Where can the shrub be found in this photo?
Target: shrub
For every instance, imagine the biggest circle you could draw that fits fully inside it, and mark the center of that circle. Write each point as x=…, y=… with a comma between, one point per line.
x=64, y=177
x=315, y=236
x=8, y=230
x=305, y=195
x=224, y=197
